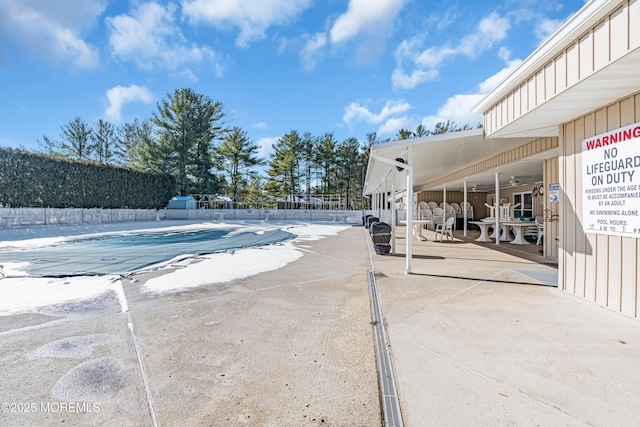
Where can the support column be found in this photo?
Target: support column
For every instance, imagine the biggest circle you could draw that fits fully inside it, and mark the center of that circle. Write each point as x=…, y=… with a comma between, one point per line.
x=497, y=204
x=393, y=215
x=464, y=207
x=409, y=230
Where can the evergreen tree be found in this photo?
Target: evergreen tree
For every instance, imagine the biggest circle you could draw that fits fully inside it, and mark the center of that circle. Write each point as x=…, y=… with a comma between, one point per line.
x=283, y=178
x=404, y=134
x=327, y=162
x=421, y=131
x=309, y=160
x=105, y=144
x=348, y=161
x=236, y=156
x=189, y=123
x=140, y=147
x=75, y=140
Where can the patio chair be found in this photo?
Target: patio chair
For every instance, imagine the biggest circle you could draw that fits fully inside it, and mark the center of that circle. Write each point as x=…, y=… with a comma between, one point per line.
x=457, y=209
x=540, y=225
x=449, y=212
x=438, y=216
x=446, y=228
x=426, y=214
x=432, y=205
x=469, y=208
x=421, y=207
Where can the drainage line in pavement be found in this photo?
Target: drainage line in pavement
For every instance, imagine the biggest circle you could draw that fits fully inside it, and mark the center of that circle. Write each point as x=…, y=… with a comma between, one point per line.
x=386, y=377
x=147, y=388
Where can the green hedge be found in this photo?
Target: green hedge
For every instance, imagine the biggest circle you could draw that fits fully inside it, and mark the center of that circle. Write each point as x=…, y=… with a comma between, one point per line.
x=35, y=180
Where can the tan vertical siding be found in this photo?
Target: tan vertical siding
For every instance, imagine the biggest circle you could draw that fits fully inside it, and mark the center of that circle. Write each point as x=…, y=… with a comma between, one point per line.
x=549, y=80
x=591, y=243
x=573, y=74
x=632, y=23
x=603, y=268
x=601, y=44
x=619, y=31
x=585, y=56
x=629, y=266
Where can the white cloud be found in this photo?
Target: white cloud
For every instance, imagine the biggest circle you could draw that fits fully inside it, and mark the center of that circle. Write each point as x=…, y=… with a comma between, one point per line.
x=52, y=31
x=365, y=16
x=357, y=112
x=266, y=146
x=252, y=17
x=425, y=62
x=405, y=81
x=491, y=30
x=370, y=22
x=312, y=51
x=120, y=95
x=487, y=85
x=393, y=125
x=459, y=108
x=546, y=27
x=150, y=37
x=260, y=125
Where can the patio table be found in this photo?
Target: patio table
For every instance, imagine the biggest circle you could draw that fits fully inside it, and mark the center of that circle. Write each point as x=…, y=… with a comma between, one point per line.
x=518, y=231
x=484, y=230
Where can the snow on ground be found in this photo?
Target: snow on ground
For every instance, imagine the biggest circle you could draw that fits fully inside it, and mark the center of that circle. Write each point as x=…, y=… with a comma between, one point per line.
x=27, y=294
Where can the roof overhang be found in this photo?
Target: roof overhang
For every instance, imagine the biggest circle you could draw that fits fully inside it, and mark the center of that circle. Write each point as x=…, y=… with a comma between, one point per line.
x=435, y=156
x=615, y=81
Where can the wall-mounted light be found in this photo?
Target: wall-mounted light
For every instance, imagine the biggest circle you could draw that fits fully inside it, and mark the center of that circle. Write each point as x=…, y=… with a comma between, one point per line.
x=400, y=160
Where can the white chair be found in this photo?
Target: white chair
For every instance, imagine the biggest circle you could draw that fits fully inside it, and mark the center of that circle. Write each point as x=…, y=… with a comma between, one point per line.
x=438, y=216
x=449, y=212
x=432, y=205
x=540, y=225
x=427, y=214
x=446, y=228
x=469, y=208
x=492, y=210
x=531, y=232
x=457, y=209
x=421, y=206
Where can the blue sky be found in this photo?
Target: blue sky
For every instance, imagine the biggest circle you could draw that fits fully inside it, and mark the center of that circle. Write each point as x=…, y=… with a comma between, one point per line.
x=350, y=67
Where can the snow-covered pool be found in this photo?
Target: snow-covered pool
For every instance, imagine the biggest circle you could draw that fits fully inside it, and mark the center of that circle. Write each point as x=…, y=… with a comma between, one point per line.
x=120, y=253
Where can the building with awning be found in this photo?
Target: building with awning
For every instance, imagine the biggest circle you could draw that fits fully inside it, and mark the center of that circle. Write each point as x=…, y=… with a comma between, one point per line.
x=579, y=89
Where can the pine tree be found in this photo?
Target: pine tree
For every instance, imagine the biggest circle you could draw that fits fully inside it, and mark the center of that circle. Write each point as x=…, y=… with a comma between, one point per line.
x=283, y=178
x=236, y=156
x=189, y=123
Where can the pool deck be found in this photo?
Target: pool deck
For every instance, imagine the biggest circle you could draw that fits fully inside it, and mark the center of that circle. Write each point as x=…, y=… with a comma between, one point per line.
x=477, y=337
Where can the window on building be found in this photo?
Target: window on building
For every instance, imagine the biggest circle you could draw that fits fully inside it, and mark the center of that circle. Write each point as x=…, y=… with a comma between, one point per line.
x=526, y=205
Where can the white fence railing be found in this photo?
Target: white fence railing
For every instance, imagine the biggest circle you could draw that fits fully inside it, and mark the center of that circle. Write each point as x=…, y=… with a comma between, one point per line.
x=14, y=217
x=10, y=217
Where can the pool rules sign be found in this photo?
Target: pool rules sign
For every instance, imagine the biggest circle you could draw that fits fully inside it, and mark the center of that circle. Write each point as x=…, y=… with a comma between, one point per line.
x=611, y=181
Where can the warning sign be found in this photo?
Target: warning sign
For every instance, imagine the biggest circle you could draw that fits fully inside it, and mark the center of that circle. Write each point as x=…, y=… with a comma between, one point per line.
x=611, y=180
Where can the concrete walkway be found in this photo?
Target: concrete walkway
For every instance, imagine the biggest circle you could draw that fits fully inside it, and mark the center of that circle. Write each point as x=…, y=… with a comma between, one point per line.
x=478, y=338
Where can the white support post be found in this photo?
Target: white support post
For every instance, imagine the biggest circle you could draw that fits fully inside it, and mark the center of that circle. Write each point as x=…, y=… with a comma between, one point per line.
x=464, y=207
x=409, y=230
x=386, y=199
x=497, y=204
x=444, y=204
x=409, y=192
x=393, y=216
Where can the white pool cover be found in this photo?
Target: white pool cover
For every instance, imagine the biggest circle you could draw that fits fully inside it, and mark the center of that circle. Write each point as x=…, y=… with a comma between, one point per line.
x=125, y=253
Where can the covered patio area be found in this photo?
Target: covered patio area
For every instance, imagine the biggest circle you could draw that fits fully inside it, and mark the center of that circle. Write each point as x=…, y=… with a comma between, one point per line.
x=469, y=177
